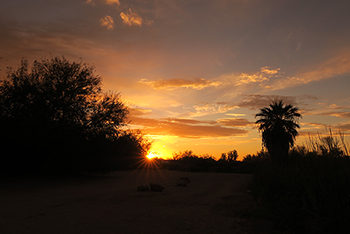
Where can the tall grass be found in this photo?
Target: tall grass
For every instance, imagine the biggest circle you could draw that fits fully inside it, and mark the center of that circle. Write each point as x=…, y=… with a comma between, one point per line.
x=308, y=194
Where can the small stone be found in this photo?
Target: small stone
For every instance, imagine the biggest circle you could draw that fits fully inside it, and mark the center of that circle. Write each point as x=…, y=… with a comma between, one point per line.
x=156, y=187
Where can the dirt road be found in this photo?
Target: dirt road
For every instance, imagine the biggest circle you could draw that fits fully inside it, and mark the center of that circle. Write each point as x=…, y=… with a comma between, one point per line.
x=211, y=203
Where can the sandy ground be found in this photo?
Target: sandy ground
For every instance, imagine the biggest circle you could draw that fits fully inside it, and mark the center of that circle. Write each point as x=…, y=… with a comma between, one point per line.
x=211, y=203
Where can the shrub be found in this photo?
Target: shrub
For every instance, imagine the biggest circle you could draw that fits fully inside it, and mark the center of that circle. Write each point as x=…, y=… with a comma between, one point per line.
x=55, y=118
x=310, y=194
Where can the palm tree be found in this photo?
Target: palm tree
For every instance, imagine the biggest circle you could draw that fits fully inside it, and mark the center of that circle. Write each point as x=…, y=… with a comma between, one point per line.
x=278, y=124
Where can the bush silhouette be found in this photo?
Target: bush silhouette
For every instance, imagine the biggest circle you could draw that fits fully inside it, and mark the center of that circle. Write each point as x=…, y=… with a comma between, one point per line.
x=55, y=118
x=310, y=193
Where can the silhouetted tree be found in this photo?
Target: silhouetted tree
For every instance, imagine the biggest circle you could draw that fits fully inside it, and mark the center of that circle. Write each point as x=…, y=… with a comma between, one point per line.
x=232, y=155
x=54, y=117
x=189, y=161
x=223, y=157
x=278, y=124
x=229, y=156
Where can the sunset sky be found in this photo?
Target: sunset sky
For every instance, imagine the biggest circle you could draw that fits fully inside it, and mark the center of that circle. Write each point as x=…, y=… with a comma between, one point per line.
x=195, y=72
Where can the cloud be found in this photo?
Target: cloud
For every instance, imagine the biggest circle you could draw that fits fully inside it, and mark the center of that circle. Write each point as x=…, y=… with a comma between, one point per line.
x=236, y=115
x=131, y=18
x=209, y=109
x=107, y=22
x=257, y=101
x=253, y=78
x=90, y=2
x=111, y=2
x=191, y=121
x=326, y=109
x=337, y=65
x=269, y=71
x=343, y=127
x=235, y=122
x=341, y=114
x=312, y=129
x=186, y=128
x=175, y=83
x=139, y=111
x=275, y=79
x=262, y=77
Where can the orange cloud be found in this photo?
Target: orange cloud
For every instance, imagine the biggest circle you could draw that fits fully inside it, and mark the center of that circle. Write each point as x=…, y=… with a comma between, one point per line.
x=256, y=101
x=262, y=77
x=190, y=121
x=268, y=70
x=107, y=22
x=186, y=128
x=341, y=114
x=171, y=84
x=209, y=108
x=253, y=78
x=340, y=64
x=139, y=111
x=110, y=2
x=131, y=18
x=344, y=127
x=334, y=66
x=235, y=122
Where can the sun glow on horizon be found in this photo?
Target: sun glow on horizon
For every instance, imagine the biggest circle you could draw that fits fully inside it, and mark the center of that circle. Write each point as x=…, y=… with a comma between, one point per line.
x=152, y=155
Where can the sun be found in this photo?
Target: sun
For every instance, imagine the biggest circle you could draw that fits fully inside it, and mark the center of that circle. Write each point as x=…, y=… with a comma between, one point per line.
x=152, y=155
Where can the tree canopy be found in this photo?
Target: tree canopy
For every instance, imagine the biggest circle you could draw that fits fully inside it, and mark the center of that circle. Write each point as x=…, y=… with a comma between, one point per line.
x=278, y=124
x=55, y=117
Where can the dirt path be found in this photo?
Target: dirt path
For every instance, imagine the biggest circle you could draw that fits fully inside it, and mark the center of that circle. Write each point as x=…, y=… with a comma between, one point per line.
x=212, y=203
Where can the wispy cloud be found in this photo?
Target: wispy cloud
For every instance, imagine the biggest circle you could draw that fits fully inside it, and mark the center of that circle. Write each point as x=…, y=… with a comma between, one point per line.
x=204, y=109
x=269, y=71
x=338, y=64
x=171, y=84
x=112, y=2
x=344, y=127
x=131, y=18
x=326, y=109
x=340, y=114
x=139, y=111
x=187, y=128
x=109, y=2
x=90, y=2
x=257, y=101
x=127, y=14
x=107, y=22
x=261, y=77
x=235, y=122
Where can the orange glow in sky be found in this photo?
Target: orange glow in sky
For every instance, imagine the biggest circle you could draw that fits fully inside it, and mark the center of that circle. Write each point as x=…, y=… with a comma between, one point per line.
x=195, y=73
x=151, y=155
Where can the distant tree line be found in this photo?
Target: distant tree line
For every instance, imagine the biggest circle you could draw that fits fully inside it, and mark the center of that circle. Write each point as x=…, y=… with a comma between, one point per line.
x=189, y=161
x=54, y=118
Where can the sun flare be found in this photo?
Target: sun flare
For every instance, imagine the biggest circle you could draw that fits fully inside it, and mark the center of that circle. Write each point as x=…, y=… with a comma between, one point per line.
x=152, y=155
